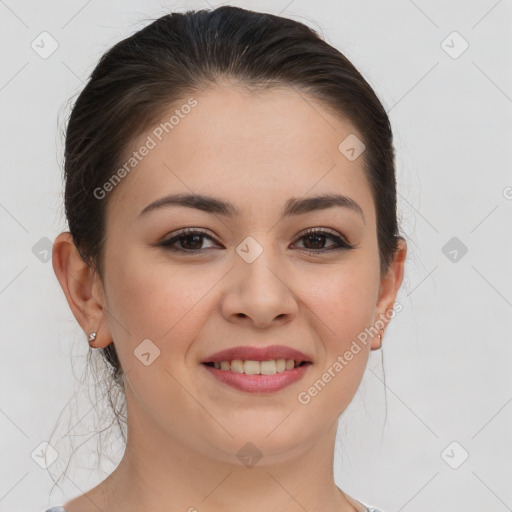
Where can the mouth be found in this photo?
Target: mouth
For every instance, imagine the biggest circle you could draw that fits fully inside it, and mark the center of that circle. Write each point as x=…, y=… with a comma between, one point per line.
x=258, y=354
x=258, y=369
x=252, y=367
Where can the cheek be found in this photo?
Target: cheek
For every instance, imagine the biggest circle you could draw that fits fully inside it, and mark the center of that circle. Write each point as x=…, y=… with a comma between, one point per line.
x=344, y=305
x=345, y=301
x=156, y=301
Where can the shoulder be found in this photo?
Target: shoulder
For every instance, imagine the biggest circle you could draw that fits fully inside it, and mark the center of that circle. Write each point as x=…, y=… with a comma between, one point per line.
x=361, y=506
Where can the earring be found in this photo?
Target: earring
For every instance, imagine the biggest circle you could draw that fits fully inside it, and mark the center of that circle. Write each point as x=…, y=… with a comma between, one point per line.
x=92, y=337
x=380, y=338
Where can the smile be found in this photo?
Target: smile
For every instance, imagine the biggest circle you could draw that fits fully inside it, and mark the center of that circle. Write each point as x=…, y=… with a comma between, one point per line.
x=258, y=376
x=251, y=367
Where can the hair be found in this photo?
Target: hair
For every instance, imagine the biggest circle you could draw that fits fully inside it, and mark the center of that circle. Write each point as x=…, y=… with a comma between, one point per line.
x=139, y=78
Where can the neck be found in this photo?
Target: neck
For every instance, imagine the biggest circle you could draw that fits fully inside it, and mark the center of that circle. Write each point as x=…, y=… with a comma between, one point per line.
x=159, y=472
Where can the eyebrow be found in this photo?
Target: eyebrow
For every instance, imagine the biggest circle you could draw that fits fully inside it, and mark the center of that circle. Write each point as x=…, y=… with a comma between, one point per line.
x=294, y=205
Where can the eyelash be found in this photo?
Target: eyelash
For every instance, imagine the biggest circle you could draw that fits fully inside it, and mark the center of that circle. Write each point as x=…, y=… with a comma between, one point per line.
x=342, y=244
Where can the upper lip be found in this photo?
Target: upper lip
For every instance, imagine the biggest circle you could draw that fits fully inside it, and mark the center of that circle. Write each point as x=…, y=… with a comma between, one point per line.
x=257, y=354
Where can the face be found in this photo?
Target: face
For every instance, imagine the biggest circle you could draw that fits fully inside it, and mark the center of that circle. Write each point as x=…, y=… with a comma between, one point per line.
x=252, y=278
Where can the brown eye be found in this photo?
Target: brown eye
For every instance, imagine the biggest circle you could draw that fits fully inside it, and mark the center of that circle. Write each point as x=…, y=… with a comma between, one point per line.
x=315, y=241
x=190, y=240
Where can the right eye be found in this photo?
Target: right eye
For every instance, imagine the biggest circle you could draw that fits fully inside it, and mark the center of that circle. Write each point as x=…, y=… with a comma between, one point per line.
x=190, y=237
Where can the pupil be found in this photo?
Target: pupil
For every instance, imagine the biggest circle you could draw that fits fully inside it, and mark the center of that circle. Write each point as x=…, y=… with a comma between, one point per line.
x=317, y=237
x=194, y=246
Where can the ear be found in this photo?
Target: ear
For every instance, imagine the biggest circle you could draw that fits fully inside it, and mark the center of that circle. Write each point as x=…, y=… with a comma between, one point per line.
x=389, y=286
x=83, y=289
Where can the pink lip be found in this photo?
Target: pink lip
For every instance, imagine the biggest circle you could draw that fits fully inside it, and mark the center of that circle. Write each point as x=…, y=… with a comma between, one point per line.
x=258, y=354
x=258, y=383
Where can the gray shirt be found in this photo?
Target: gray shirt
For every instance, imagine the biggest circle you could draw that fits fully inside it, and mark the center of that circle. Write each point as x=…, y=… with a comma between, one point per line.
x=62, y=509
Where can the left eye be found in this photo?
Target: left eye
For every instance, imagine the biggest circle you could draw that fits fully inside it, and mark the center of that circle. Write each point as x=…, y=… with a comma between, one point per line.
x=315, y=235
x=191, y=240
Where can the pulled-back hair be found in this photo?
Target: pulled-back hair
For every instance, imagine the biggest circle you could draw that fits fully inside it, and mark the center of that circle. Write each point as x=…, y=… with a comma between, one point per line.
x=142, y=76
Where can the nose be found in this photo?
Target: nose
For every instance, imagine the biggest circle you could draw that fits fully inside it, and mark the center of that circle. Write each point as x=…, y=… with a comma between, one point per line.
x=258, y=293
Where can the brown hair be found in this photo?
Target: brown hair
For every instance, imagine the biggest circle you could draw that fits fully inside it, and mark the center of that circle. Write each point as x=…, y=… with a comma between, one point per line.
x=137, y=80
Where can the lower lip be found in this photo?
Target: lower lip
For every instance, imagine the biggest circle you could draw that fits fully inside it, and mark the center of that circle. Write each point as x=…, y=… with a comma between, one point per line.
x=258, y=383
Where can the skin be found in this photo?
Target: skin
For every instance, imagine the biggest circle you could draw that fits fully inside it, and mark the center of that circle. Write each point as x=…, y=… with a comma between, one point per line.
x=185, y=428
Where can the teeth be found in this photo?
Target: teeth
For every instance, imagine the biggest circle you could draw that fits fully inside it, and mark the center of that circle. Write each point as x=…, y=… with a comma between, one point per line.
x=237, y=366
x=290, y=363
x=257, y=367
x=281, y=365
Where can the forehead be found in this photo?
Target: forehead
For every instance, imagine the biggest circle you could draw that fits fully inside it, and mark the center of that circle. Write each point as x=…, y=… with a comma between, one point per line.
x=236, y=143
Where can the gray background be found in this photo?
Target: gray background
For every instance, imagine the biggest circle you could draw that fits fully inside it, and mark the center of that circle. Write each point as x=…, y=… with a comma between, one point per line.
x=447, y=354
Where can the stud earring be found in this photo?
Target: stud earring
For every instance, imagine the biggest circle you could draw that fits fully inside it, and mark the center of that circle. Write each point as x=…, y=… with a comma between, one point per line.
x=92, y=337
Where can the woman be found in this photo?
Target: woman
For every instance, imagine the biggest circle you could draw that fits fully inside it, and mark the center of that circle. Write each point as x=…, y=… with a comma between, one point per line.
x=233, y=251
